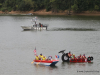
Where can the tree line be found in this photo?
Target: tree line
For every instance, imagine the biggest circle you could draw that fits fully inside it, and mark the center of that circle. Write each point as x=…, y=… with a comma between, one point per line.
x=53, y=5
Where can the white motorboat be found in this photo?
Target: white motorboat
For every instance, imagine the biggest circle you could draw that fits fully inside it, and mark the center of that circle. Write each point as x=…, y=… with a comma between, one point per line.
x=35, y=26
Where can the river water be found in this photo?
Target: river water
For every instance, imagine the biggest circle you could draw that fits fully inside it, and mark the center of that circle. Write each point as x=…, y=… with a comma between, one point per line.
x=78, y=34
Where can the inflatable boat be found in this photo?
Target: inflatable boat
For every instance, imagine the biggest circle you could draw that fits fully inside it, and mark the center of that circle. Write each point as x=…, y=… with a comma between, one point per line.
x=46, y=62
x=66, y=58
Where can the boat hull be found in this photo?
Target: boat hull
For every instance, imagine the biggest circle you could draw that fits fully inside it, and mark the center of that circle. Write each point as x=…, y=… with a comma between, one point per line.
x=26, y=27
x=78, y=60
x=33, y=28
x=46, y=62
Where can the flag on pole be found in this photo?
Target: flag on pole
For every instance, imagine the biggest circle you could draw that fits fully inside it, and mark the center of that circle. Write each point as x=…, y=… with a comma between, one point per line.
x=56, y=56
x=34, y=51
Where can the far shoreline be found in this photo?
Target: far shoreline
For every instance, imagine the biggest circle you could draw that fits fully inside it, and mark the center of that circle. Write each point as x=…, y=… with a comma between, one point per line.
x=43, y=12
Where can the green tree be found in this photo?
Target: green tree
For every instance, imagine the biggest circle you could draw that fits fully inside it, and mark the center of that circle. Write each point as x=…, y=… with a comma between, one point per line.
x=38, y=4
x=54, y=5
x=25, y=5
x=0, y=5
x=47, y=5
x=74, y=7
x=96, y=7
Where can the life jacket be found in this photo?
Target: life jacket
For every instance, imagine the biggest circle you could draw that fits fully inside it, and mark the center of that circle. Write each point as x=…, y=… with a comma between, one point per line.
x=72, y=56
x=44, y=58
x=36, y=58
x=69, y=54
x=41, y=56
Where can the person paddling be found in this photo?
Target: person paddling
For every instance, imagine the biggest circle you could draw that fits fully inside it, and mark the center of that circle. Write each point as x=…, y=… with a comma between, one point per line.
x=73, y=56
x=83, y=56
x=79, y=57
x=36, y=57
x=44, y=58
x=69, y=54
x=40, y=56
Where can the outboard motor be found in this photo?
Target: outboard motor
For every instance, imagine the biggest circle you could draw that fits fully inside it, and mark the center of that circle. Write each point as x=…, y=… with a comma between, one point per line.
x=65, y=57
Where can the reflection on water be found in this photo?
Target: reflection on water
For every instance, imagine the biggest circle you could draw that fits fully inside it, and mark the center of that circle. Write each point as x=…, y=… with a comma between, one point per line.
x=45, y=67
x=44, y=70
x=73, y=64
x=64, y=68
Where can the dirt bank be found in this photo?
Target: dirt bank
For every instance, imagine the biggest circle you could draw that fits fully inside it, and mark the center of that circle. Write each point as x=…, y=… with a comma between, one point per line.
x=43, y=12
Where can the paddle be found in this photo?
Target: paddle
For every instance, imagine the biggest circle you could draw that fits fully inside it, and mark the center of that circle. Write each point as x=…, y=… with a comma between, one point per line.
x=37, y=63
x=32, y=62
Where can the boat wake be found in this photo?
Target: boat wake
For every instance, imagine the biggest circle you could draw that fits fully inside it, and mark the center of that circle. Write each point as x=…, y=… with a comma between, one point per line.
x=72, y=29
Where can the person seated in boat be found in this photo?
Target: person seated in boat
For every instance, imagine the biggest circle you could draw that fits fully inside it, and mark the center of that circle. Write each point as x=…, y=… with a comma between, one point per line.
x=49, y=58
x=39, y=24
x=36, y=57
x=69, y=54
x=83, y=56
x=73, y=57
x=40, y=56
x=35, y=25
x=44, y=58
x=80, y=57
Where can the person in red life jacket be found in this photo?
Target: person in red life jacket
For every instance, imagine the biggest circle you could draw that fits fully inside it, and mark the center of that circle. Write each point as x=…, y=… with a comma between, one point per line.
x=83, y=56
x=73, y=58
x=69, y=54
x=79, y=57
